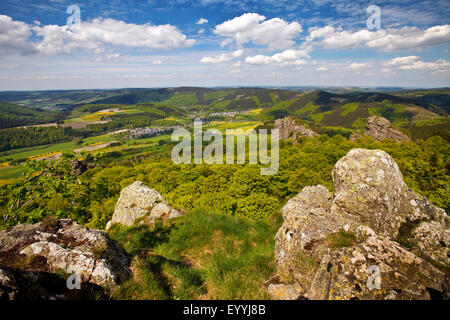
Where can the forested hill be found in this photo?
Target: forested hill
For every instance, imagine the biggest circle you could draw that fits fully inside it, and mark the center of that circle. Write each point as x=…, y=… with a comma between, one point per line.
x=13, y=115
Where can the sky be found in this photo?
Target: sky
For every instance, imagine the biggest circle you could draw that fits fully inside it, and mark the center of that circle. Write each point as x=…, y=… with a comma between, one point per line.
x=46, y=45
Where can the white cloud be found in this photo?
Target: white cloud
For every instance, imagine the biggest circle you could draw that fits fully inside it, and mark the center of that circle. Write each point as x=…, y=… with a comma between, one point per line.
x=100, y=32
x=401, y=61
x=275, y=33
x=14, y=36
x=109, y=57
x=385, y=40
x=322, y=69
x=413, y=63
x=286, y=58
x=158, y=62
x=202, y=21
x=223, y=57
x=355, y=66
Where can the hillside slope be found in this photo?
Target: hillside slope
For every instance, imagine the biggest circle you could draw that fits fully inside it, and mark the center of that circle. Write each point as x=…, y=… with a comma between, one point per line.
x=12, y=115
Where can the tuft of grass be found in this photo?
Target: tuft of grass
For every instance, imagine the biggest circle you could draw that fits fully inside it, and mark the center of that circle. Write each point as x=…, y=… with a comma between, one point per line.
x=341, y=239
x=138, y=239
x=404, y=236
x=49, y=222
x=143, y=286
x=201, y=255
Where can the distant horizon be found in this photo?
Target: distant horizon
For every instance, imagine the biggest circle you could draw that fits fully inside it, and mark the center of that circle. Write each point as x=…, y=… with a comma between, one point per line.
x=241, y=87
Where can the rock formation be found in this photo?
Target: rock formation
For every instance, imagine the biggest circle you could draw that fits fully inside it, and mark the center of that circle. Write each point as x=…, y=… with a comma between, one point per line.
x=138, y=201
x=291, y=127
x=61, y=246
x=380, y=128
x=332, y=246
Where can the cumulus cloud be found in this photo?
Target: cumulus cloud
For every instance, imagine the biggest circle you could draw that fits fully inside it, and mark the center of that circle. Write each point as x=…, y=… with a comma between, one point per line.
x=92, y=36
x=413, y=63
x=223, y=57
x=14, y=36
x=355, y=66
x=386, y=40
x=253, y=28
x=99, y=32
x=286, y=58
x=202, y=21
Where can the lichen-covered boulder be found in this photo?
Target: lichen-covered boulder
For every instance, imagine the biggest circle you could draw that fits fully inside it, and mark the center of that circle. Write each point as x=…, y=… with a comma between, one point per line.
x=292, y=128
x=139, y=201
x=380, y=128
x=328, y=243
x=307, y=221
x=284, y=292
x=66, y=246
x=369, y=186
x=350, y=273
x=432, y=240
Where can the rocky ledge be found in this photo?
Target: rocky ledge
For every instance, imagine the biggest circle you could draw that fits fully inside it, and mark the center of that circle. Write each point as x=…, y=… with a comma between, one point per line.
x=380, y=128
x=374, y=238
x=37, y=252
x=292, y=128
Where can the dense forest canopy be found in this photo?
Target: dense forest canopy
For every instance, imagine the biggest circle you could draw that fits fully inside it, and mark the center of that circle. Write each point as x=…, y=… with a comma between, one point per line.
x=50, y=189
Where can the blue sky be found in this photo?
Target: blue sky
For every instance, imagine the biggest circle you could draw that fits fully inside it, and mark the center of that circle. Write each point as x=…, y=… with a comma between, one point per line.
x=157, y=43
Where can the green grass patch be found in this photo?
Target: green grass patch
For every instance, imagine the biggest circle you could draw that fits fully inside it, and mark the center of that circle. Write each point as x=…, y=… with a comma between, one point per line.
x=24, y=153
x=309, y=108
x=318, y=117
x=181, y=100
x=349, y=108
x=341, y=239
x=11, y=172
x=201, y=255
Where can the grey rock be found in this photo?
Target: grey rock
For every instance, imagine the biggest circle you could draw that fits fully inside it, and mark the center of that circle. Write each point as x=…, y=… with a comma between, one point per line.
x=137, y=201
x=369, y=186
x=67, y=246
x=380, y=128
x=283, y=292
x=328, y=243
x=292, y=128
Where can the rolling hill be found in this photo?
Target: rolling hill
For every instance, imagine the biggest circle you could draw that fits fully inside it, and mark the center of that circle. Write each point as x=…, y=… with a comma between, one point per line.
x=12, y=115
x=348, y=110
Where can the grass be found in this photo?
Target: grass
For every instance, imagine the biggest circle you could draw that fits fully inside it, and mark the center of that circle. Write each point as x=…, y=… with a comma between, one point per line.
x=308, y=108
x=201, y=255
x=181, y=99
x=255, y=112
x=318, y=117
x=96, y=116
x=404, y=236
x=223, y=126
x=24, y=153
x=10, y=173
x=349, y=108
x=98, y=139
x=341, y=239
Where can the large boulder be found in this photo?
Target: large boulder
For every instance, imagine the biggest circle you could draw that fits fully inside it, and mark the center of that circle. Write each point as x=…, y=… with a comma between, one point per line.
x=137, y=201
x=292, y=128
x=328, y=244
x=17, y=284
x=345, y=273
x=369, y=186
x=63, y=245
x=380, y=128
